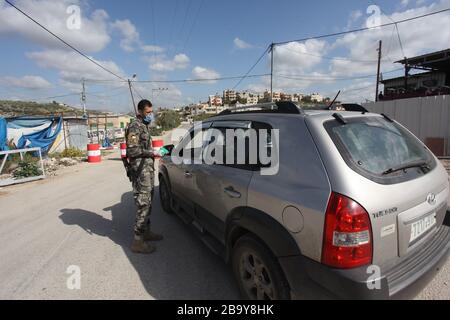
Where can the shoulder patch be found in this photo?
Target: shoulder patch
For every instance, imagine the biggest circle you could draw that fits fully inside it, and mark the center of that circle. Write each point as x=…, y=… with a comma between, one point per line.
x=132, y=138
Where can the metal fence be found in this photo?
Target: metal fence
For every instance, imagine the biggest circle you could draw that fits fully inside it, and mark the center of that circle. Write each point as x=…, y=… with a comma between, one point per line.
x=427, y=117
x=4, y=155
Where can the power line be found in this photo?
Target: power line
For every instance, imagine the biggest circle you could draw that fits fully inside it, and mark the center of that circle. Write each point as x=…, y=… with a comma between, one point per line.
x=328, y=57
x=396, y=28
x=363, y=29
x=252, y=67
x=153, y=23
x=78, y=93
x=338, y=34
x=193, y=25
x=64, y=42
x=399, y=40
x=183, y=80
x=61, y=96
x=172, y=26
x=137, y=92
x=309, y=77
x=358, y=89
x=185, y=16
x=389, y=46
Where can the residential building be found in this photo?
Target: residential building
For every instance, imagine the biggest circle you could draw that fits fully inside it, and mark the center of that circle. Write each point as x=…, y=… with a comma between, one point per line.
x=315, y=97
x=276, y=96
x=299, y=96
x=215, y=100
x=229, y=95
x=295, y=98
x=243, y=95
x=252, y=100
x=285, y=97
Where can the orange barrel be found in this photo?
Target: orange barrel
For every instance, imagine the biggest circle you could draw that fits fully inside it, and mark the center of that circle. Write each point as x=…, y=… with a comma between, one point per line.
x=94, y=154
x=123, y=150
x=157, y=144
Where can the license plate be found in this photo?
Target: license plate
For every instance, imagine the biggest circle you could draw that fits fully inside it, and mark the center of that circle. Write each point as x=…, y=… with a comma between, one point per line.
x=418, y=228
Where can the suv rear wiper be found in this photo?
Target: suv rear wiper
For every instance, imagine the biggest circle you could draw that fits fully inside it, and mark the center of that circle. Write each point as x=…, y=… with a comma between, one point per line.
x=421, y=164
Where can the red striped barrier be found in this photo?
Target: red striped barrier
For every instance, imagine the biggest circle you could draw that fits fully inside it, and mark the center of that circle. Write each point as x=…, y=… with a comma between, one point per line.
x=123, y=150
x=94, y=153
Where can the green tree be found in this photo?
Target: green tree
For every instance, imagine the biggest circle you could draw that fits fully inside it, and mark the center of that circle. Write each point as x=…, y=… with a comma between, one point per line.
x=168, y=120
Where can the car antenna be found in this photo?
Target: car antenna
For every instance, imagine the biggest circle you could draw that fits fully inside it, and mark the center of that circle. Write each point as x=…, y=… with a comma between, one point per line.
x=334, y=100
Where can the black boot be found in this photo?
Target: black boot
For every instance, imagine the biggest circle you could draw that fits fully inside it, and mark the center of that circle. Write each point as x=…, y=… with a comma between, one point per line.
x=151, y=236
x=140, y=246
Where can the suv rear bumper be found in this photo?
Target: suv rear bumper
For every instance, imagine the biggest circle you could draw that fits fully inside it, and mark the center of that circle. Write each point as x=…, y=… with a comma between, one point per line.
x=405, y=280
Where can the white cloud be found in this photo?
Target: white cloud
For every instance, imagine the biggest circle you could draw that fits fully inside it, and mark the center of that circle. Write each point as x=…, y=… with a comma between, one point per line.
x=404, y=2
x=72, y=67
x=131, y=39
x=241, y=44
x=294, y=60
x=354, y=16
x=295, y=57
x=357, y=54
x=162, y=63
x=418, y=37
x=152, y=48
x=204, y=73
x=91, y=37
x=357, y=92
x=169, y=97
x=129, y=33
x=26, y=82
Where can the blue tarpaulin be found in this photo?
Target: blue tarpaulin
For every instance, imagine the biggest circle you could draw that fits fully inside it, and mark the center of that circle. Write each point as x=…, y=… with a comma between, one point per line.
x=43, y=138
x=3, y=135
x=26, y=122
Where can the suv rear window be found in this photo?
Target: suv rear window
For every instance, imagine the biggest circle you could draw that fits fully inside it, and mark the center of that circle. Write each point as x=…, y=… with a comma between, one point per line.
x=377, y=148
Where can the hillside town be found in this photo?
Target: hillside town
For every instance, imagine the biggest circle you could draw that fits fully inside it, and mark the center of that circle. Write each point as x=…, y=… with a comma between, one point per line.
x=164, y=150
x=232, y=99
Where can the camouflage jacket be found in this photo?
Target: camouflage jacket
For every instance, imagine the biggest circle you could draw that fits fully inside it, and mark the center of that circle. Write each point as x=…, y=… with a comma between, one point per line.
x=139, y=144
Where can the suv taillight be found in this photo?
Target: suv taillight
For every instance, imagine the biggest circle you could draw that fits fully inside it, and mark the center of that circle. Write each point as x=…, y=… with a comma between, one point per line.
x=347, y=234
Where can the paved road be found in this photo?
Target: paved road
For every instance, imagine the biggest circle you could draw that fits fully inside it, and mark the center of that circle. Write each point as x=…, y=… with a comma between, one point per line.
x=84, y=217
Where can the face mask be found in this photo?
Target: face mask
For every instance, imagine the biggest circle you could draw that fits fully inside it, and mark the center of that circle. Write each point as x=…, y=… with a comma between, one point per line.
x=149, y=118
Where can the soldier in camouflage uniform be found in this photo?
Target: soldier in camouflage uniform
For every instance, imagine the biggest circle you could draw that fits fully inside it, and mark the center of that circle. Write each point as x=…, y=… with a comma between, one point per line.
x=140, y=155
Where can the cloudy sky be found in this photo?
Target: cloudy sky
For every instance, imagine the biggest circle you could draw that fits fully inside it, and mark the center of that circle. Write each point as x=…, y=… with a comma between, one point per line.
x=204, y=39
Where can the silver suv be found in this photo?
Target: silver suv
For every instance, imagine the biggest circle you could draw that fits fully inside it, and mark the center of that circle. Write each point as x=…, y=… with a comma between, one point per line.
x=355, y=210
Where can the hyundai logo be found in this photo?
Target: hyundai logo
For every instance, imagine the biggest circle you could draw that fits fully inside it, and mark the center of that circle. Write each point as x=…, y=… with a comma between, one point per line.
x=431, y=199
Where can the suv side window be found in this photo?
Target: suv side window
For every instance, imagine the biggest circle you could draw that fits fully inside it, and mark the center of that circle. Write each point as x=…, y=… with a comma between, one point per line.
x=246, y=148
x=234, y=138
x=192, y=142
x=264, y=131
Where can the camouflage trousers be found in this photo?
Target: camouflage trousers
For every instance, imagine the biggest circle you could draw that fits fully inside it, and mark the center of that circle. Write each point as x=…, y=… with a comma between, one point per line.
x=143, y=198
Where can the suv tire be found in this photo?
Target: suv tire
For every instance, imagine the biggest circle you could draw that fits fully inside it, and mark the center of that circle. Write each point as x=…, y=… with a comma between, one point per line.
x=257, y=272
x=165, y=195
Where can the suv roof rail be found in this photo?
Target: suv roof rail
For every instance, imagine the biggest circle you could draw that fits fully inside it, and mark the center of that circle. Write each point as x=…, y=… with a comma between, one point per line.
x=354, y=107
x=272, y=107
x=347, y=107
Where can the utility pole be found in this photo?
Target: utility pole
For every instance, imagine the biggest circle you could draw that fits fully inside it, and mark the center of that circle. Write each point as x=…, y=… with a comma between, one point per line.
x=271, y=71
x=98, y=130
x=64, y=131
x=378, y=71
x=83, y=99
x=106, y=127
x=132, y=97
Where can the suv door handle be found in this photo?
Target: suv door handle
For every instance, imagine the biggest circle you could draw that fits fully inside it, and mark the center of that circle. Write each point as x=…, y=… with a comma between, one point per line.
x=231, y=192
x=187, y=174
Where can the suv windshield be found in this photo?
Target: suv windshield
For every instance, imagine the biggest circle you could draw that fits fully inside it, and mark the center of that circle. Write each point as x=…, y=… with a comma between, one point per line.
x=379, y=148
